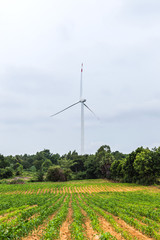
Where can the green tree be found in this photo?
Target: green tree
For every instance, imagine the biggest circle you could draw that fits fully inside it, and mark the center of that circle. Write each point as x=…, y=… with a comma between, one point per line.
x=90, y=167
x=33, y=169
x=117, y=170
x=46, y=164
x=104, y=160
x=146, y=166
x=3, y=162
x=40, y=175
x=66, y=165
x=129, y=172
x=19, y=169
x=118, y=155
x=54, y=158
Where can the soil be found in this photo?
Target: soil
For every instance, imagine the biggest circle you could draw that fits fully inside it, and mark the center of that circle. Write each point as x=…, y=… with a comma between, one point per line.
x=64, y=230
x=90, y=233
x=131, y=229
x=37, y=233
x=106, y=226
x=88, y=189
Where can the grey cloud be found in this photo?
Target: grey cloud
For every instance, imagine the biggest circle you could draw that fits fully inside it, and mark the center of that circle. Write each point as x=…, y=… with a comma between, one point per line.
x=134, y=113
x=118, y=42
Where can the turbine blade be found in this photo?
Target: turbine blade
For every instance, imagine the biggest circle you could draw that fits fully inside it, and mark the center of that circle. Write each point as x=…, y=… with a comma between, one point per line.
x=90, y=110
x=64, y=109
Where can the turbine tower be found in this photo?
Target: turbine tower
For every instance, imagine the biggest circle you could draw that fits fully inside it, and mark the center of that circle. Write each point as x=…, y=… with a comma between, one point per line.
x=82, y=102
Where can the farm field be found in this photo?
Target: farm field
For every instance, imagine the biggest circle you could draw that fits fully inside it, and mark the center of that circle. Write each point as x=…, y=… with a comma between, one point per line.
x=88, y=209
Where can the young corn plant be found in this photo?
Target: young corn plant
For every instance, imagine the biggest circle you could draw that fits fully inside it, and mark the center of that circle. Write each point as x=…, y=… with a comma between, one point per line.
x=53, y=227
x=77, y=230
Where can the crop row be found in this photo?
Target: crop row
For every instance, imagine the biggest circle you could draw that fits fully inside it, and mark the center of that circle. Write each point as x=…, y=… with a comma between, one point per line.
x=29, y=219
x=116, y=208
x=87, y=185
x=20, y=214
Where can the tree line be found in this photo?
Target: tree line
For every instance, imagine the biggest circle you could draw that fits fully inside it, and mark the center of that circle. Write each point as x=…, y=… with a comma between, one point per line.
x=140, y=166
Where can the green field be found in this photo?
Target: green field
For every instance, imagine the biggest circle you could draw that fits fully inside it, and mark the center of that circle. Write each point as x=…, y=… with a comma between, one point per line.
x=90, y=209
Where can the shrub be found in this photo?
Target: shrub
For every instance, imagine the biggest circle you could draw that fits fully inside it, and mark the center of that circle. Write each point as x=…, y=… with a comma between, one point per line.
x=16, y=181
x=55, y=174
x=6, y=172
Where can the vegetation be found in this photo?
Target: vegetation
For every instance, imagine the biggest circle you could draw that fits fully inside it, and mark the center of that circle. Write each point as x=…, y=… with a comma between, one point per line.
x=140, y=166
x=40, y=210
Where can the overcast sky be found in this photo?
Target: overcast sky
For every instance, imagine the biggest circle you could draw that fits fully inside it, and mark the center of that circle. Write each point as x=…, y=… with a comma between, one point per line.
x=42, y=46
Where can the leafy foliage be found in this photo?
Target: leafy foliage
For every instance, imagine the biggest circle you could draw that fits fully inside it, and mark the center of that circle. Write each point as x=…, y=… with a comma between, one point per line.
x=140, y=166
x=55, y=174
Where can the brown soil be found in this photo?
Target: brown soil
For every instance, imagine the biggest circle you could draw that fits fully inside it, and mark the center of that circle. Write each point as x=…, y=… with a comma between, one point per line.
x=90, y=233
x=63, y=190
x=90, y=189
x=106, y=226
x=5, y=214
x=54, y=191
x=70, y=190
x=64, y=230
x=45, y=190
x=38, y=191
x=95, y=188
x=82, y=189
x=131, y=229
x=37, y=234
x=42, y=191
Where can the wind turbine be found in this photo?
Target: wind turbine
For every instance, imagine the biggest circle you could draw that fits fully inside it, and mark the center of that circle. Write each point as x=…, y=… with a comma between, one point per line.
x=83, y=104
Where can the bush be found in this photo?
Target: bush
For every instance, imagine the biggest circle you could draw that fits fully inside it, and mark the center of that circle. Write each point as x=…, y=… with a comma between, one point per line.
x=6, y=172
x=80, y=176
x=16, y=181
x=3, y=181
x=55, y=174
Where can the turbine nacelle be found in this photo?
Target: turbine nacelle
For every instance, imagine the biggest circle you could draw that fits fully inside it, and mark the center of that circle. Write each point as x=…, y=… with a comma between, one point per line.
x=82, y=100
